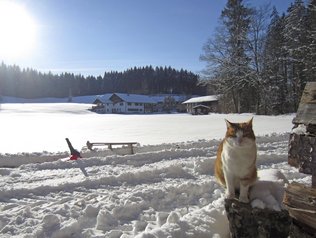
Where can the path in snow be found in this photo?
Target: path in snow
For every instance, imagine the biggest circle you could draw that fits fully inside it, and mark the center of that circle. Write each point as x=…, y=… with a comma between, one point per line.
x=164, y=190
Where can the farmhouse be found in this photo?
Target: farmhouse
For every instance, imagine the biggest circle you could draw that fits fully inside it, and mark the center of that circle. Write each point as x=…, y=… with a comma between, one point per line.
x=123, y=103
x=135, y=103
x=202, y=105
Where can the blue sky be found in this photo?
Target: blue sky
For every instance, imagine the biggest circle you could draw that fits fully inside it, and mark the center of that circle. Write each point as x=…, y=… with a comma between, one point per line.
x=93, y=36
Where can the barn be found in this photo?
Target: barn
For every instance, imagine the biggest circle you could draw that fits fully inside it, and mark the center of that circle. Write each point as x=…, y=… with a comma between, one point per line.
x=202, y=105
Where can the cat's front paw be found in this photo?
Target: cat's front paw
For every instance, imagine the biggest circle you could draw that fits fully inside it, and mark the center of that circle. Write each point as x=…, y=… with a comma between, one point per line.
x=244, y=199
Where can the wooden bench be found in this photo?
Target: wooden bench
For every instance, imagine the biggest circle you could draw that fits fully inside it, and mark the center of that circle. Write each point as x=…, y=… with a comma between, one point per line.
x=90, y=145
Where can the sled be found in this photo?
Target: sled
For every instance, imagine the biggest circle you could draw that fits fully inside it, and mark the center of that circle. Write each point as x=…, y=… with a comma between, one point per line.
x=110, y=145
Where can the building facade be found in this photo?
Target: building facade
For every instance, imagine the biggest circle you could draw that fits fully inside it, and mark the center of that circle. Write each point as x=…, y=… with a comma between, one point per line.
x=202, y=105
x=124, y=103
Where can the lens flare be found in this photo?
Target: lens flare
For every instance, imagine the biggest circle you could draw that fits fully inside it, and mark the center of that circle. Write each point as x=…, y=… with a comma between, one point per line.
x=18, y=31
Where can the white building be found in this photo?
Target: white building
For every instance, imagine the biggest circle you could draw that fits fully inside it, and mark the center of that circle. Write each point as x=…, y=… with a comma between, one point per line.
x=124, y=103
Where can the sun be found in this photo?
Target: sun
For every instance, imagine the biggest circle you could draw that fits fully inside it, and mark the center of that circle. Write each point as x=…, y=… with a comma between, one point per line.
x=17, y=31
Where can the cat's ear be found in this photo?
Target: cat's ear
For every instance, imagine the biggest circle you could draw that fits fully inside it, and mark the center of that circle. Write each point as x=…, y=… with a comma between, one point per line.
x=249, y=123
x=228, y=123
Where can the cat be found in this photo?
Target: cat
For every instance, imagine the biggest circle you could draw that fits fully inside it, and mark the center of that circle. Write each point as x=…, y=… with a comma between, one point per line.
x=235, y=165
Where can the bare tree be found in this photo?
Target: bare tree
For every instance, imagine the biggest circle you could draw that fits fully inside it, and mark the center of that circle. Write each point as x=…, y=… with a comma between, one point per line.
x=226, y=57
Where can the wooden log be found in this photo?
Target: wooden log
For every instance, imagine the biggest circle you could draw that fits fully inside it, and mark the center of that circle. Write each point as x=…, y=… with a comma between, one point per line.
x=301, y=204
x=314, y=178
x=297, y=230
x=307, y=108
x=302, y=152
x=248, y=222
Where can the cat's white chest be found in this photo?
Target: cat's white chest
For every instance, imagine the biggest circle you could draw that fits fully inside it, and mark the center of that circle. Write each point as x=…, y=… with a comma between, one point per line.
x=239, y=159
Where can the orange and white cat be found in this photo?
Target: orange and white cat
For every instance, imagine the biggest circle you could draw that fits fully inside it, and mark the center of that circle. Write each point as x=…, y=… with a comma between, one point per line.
x=235, y=165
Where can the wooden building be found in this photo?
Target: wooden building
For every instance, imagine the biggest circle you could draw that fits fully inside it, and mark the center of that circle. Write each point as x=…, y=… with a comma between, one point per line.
x=202, y=105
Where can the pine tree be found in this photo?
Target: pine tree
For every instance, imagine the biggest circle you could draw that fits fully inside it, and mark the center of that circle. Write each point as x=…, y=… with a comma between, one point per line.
x=296, y=47
x=311, y=40
x=275, y=87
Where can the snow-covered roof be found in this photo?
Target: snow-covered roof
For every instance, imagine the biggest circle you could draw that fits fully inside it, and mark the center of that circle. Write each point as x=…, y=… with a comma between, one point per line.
x=161, y=98
x=138, y=98
x=135, y=98
x=210, y=98
x=105, y=97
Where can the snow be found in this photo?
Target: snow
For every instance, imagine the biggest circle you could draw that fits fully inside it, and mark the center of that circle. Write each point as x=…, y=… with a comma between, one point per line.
x=300, y=129
x=209, y=98
x=44, y=127
x=165, y=189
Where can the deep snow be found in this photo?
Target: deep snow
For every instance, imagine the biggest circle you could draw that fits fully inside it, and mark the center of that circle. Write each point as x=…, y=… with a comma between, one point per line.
x=165, y=189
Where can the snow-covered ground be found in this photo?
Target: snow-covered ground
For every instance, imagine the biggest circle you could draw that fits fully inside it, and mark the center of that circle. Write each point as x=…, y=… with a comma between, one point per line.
x=165, y=189
x=44, y=127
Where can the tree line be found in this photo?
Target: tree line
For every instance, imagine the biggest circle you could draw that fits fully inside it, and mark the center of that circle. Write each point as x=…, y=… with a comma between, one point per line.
x=29, y=83
x=260, y=60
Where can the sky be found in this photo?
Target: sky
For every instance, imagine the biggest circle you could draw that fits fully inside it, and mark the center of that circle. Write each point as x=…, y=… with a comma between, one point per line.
x=91, y=37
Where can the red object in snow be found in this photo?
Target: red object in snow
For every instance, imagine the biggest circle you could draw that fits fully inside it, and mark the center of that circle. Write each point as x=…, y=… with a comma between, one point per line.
x=74, y=157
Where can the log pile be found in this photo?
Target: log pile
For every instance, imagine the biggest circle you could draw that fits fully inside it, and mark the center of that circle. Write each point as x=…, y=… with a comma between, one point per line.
x=301, y=204
x=302, y=144
x=299, y=199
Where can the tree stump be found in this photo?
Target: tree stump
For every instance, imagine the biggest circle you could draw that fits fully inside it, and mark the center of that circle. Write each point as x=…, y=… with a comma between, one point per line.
x=248, y=222
x=298, y=231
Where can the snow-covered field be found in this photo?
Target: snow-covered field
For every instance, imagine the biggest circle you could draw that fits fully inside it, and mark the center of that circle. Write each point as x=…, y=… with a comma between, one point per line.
x=165, y=189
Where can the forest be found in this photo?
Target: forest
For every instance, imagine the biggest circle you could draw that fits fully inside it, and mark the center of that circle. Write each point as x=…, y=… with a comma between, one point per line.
x=29, y=83
x=260, y=60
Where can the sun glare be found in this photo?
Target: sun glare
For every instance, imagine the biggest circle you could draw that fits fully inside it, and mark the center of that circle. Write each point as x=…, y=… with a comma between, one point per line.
x=17, y=31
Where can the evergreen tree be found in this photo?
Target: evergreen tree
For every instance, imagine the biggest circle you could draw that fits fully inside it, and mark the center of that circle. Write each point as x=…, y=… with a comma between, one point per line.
x=311, y=41
x=275, y=85
x=296, y=47
x=29, y=83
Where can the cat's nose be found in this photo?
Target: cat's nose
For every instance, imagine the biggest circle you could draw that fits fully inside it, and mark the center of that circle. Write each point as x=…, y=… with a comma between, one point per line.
x=239, y=136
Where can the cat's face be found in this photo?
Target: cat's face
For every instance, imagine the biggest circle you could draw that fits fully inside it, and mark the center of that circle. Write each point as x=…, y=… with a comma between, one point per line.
x=240, y=133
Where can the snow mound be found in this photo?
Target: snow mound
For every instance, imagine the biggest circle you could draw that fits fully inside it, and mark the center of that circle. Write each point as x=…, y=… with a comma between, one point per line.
x=164, y=190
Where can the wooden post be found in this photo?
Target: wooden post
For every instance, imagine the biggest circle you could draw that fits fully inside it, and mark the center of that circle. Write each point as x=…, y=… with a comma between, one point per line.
x=131, y=148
